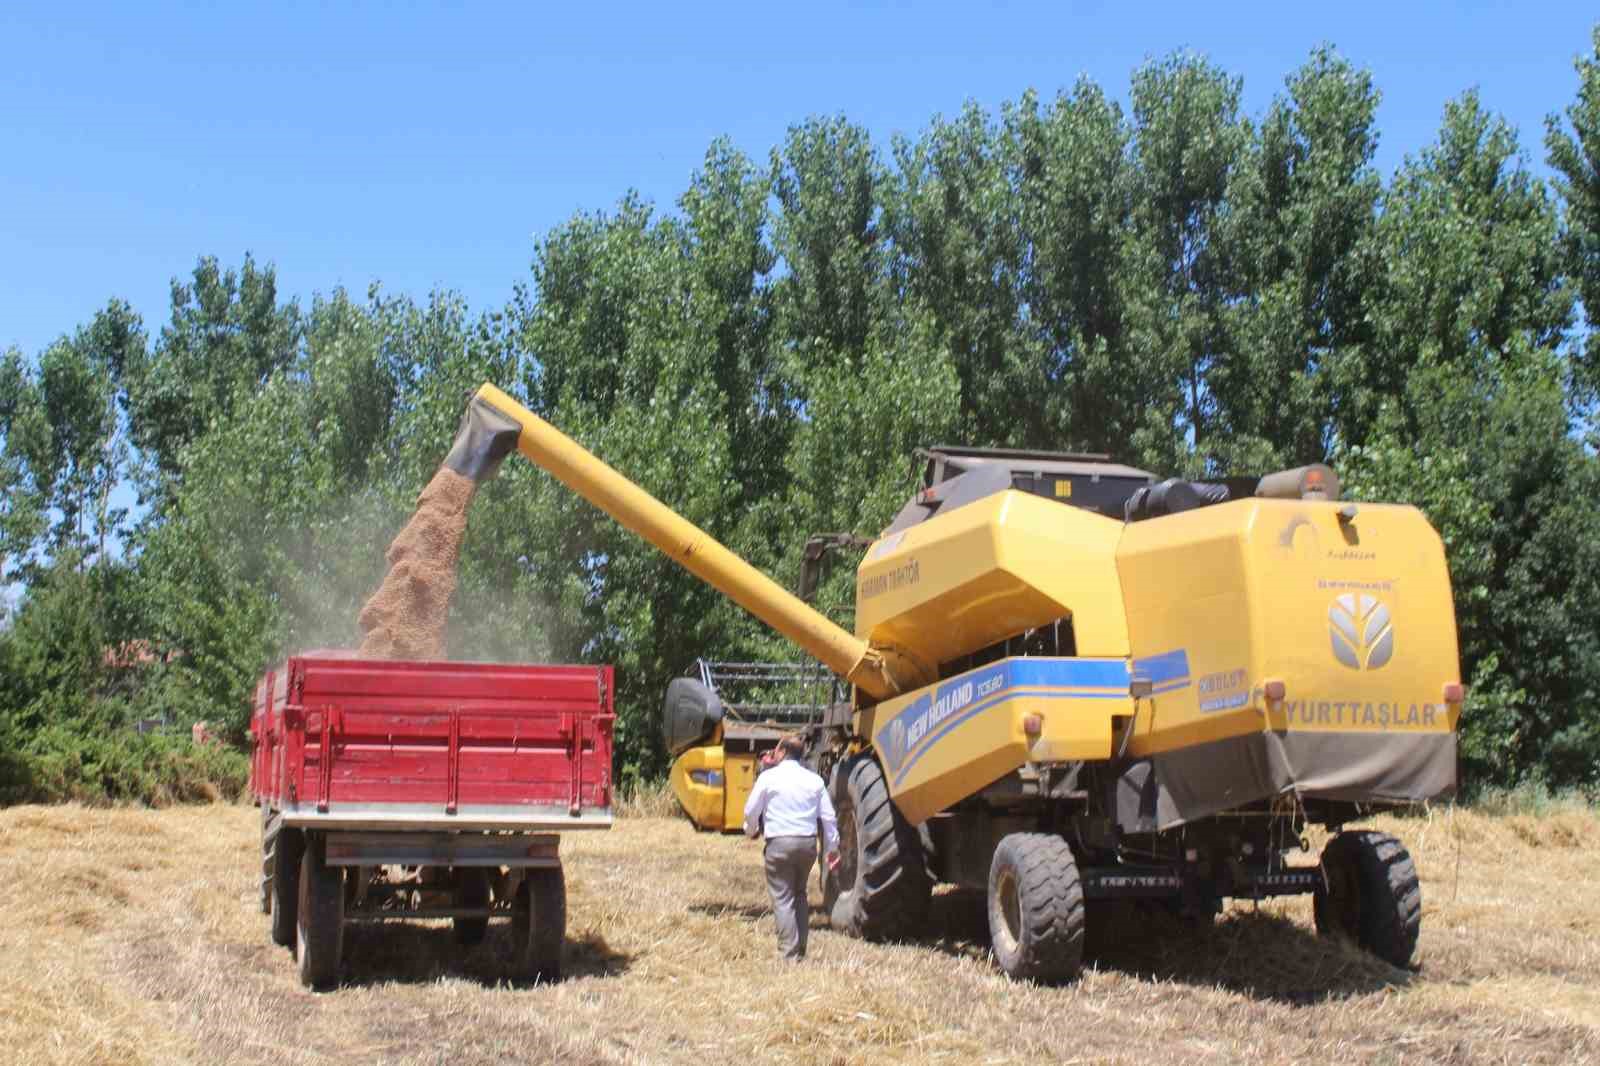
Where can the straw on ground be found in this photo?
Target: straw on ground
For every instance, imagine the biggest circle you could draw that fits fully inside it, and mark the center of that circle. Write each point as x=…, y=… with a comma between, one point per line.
x=133, y=936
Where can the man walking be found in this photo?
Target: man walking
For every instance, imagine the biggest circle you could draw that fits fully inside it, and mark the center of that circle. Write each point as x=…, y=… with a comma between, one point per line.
x=786, y=805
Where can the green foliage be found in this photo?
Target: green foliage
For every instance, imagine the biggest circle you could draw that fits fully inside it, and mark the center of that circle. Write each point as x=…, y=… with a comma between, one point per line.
x=956, y=216
x=1075, y=189
x=1465, y=408
x=54, y=656
x=1190, y=288
x=22, y=430
x=1575, y=158
x=60, y=765
x=74, y=686
x=226, y=337
x=1299, y=248
x=1530, y=798
x=61, y=442
x=829, y=184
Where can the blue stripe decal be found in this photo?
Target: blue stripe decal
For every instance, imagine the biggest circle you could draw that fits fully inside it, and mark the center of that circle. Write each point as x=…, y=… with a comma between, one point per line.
x=910, y=734
x=1165, y=671
x=932, y=715
x=1071, y=673
x=1004, y=697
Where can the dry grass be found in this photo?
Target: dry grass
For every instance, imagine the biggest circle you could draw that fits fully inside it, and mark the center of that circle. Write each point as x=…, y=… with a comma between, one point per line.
x=650, y=800
x=134, y=937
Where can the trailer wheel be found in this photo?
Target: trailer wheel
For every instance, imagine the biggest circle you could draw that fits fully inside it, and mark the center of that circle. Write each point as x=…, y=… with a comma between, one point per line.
x=1036, y=911
x=1370, y=893
x=268, y=859
x=539, y=925
x=319, y=940
x=882, y=883
x=284, y=849
x=472, y=890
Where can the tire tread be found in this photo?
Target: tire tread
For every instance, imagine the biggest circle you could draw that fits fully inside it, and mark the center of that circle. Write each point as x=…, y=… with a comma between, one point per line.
x=1390, y=904
x=1051, y=908
x=891, y=896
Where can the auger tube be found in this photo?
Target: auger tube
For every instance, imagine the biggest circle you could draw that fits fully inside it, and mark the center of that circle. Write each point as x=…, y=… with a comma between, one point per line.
x=484, y=439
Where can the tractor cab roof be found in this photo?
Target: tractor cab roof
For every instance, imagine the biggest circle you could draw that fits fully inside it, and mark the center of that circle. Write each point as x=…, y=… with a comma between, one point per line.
x=945, y=462
x=953, y=475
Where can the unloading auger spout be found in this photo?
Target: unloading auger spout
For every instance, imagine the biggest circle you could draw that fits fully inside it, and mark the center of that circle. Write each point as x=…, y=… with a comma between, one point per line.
x=494, y=424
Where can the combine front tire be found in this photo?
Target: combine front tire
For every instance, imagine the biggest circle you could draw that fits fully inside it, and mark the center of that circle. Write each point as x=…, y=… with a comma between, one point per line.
x=1370, y=893
x=881, y=888
x=1036, y=912
x=539, y=925
x=319, y=942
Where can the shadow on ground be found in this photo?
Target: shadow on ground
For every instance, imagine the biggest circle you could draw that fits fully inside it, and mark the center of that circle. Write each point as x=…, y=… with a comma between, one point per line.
x=749, y=912
x=1264, y=956
x=409, y=953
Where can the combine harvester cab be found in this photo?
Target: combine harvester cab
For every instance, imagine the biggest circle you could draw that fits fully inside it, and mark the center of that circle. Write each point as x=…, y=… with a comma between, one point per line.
x=1072, y=684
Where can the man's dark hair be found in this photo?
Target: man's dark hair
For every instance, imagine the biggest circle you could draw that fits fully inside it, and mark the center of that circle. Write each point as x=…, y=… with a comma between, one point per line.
x=793, y=746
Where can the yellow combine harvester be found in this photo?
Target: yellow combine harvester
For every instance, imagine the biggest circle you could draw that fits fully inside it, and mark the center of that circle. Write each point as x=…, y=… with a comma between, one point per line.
x=1071, y=683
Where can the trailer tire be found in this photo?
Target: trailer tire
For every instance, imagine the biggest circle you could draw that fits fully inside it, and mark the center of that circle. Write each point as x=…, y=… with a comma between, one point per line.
x=472, y=890
x=1036, y=909
x=287, y=850
x=539, y=925
x=269, y=837
x=319, y=939
x=1370, y=894
x=882, y=888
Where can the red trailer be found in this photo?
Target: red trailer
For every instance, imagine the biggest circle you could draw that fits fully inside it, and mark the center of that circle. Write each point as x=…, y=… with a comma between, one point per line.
x=395, y=790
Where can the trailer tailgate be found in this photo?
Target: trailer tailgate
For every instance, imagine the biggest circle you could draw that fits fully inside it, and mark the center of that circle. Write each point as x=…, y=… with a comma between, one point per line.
x=356, y=743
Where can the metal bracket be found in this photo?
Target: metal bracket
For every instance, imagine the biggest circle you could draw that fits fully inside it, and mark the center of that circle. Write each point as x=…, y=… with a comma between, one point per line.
x=453, y=763
x=325, y=758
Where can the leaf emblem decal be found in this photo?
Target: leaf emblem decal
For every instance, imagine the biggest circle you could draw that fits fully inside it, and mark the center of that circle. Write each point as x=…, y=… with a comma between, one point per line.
x=896, y=744
x=1361, y=631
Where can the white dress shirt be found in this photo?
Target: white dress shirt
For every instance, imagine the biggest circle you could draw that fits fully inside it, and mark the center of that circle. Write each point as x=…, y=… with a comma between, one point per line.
x=792, y=800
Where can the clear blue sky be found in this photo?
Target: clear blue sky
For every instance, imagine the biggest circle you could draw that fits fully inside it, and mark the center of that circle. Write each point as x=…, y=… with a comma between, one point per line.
x=426, y=146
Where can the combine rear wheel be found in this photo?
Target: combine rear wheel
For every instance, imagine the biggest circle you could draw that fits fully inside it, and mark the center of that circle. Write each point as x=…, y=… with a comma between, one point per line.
x=319, y=940
x=539, y=925
x=1370, y=893
x=472, y=890
x=881, y=889
x=1036, y=912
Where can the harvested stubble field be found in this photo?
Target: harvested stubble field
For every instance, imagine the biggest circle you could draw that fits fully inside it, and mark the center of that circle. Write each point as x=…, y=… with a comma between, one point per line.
x=133, y=936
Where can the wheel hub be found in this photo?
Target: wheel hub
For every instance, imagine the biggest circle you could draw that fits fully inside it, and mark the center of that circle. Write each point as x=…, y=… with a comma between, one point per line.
x=1008, y=903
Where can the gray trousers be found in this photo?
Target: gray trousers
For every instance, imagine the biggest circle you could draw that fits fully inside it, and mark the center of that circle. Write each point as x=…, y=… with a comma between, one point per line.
x=788, y=864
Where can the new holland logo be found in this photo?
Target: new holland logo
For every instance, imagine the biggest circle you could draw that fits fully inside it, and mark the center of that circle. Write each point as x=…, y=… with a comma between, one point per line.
x=895, y=745
x=1359, y=626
